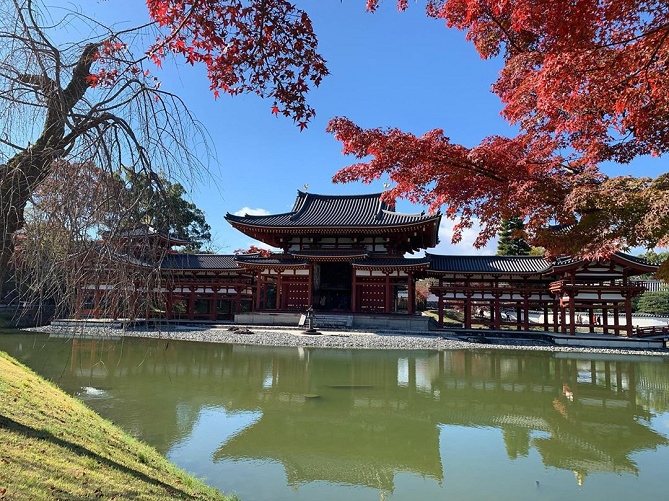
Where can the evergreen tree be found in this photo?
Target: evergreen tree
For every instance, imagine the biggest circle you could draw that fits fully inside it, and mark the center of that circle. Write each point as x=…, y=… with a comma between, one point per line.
x=512, y=238
x=153, y=200
x=656, y=302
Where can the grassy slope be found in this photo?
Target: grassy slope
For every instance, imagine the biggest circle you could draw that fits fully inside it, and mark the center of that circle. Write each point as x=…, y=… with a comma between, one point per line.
x=55, y=447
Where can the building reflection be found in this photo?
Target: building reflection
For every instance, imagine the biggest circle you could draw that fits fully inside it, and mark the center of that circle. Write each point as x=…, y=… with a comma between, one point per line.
x=361, y=417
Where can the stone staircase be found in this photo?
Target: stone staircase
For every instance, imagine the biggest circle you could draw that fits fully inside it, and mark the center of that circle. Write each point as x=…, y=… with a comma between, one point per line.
x=333, y=321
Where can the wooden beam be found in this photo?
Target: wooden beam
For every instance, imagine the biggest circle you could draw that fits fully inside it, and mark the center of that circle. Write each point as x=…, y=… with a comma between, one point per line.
x=354, y=290
x=411, y=291
x=468, y=311
x=441, y=309
x=628, y=315
x=572, y=316
x=388, y=303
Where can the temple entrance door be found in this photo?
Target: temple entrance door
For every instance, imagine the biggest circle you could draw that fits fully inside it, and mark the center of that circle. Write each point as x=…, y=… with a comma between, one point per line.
x=332, y=286
x=224, y=309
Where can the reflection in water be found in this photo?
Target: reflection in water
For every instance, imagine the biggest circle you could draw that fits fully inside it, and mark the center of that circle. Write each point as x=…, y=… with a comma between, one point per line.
x=361, y=418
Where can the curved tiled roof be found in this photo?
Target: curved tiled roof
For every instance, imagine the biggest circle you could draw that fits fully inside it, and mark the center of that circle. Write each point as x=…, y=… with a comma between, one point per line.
x=398, y=262
x=634, y=260
x=145, y=231
x=488, y=264
x=274, y=260
x=199, y=262
x=311, y=210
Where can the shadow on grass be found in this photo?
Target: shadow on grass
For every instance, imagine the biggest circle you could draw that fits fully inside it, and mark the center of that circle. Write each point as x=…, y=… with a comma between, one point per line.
x=29, y=432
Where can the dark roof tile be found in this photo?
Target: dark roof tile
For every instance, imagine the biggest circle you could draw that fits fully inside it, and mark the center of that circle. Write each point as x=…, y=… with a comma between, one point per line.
x=393, y=262
x=280, y=259
x=311, y=210
x=199, y=262
x=500, y=265
x=145, y=231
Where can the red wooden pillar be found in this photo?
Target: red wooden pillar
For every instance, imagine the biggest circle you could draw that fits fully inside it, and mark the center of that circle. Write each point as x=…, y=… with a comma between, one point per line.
x=441, y=302
x=77, y=312
x=411, y=291
x=310, y=286
x=526, y=312
x=545, y=317
x=616, y=319
x=133, y=305
x=605, y=318
x=388, y=305
x=169, y=304
x=259, y=285
x=238, y=300
x=628, y=315
x=491, y=307
x=496, y=312
x=563, y=318
x=278, y=291
x=441, y=308
x=572, y=316
x=354, y=290
x=468, y=311
x=214, y=305
x=191, y=304
x=556, y=318
x=591, y=320
x=96, y=302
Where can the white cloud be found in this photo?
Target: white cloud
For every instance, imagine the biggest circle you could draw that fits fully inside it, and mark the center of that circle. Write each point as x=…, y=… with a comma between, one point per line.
x=466, y=245
x=251, y=212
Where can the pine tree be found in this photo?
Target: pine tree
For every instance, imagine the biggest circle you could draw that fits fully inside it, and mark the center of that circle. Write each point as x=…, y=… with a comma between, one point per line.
x=512, y=238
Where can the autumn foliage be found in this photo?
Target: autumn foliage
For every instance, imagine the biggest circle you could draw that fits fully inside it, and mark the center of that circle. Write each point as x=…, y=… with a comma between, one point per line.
x=586, y=82
x=254, y=249
x=266, y=47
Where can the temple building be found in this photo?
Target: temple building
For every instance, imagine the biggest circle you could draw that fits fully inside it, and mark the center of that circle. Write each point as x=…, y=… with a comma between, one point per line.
x=345, y=256
x=340, y=253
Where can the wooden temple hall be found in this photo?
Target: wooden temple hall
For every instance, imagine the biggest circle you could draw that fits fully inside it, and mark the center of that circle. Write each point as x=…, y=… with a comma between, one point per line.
x=345, y=257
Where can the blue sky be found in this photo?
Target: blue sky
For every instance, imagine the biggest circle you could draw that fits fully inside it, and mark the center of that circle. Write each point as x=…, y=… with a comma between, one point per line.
x=387, y=69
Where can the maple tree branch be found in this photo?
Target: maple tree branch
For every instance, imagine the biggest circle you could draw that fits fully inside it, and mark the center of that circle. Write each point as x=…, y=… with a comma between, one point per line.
x=510, y=39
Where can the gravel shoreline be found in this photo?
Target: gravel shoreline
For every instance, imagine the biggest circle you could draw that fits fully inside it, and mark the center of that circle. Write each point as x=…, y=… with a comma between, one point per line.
x=268, y=336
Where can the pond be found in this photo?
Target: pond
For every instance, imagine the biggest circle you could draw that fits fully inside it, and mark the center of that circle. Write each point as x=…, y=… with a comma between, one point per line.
x=300, y=424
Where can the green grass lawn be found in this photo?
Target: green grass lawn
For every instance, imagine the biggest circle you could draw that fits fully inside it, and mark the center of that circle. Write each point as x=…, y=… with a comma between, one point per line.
x=54, y=447
x=451, y=317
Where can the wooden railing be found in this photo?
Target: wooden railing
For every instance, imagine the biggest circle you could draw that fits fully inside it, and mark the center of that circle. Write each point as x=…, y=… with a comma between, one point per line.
x=654, y=330
x=565, y=285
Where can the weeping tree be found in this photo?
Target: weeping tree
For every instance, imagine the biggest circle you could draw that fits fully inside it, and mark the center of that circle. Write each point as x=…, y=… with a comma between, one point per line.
x=91, y=102
x=96, y=102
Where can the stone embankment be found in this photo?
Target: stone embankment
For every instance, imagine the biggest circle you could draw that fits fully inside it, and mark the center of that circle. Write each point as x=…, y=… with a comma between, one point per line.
x=268, y=336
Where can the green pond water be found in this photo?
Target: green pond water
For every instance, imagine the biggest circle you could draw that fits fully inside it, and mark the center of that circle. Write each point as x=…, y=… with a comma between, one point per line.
x=314, y=424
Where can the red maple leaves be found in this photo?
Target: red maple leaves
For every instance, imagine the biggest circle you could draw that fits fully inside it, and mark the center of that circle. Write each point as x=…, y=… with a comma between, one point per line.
x=586, y=82
x=266, y=47
x=254, y=249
